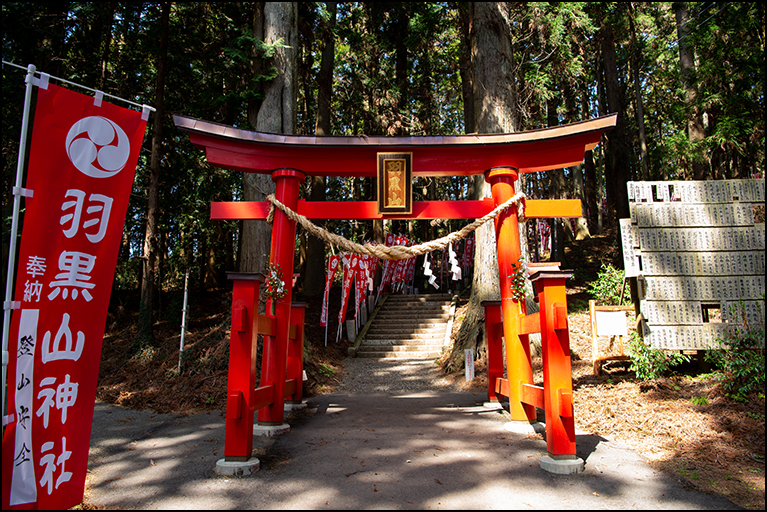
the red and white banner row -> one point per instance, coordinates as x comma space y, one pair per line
361, 270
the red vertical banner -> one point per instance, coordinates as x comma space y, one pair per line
332, 266
399, 270
388, 266
81, 166
351, 264
361, 281
410, 269
468, 254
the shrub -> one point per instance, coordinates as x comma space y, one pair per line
606, 290
740, 357
650, 363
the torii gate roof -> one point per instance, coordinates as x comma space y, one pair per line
446, 155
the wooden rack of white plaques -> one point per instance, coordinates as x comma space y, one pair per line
697, 250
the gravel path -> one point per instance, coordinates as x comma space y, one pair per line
365, 376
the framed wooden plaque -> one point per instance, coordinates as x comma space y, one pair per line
395, 191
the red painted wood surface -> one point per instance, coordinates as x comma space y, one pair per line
502, 387
557, 370
295, 356
290, 388
530, 324
494, 347
274, 359
461, 155
422, 210
533, 395
262, 396
518, 364
241, 380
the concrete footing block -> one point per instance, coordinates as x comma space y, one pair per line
270, 430
524, 427
294, 407
562, 466
237, 469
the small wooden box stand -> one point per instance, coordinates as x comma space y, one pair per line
621, 355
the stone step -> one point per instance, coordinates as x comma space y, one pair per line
404, 336
389, 342
400, 346
414, 328
414, 314
408, 322
421, 354
420, 305
436, 297
408, 327
415, 299
405, 327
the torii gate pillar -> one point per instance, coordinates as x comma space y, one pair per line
518, 362
274, 359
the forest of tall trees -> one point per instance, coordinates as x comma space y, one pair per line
686, 79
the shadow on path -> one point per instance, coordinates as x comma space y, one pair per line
408, 450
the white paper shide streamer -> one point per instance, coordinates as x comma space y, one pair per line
455, 269
428, 273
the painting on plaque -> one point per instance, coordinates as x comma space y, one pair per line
395, 172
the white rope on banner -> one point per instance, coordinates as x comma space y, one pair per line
99, 95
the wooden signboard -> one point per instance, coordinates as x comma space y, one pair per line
697, 249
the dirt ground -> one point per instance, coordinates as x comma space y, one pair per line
717, 446
716, 443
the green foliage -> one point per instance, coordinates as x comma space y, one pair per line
740, 358
606, 290
550, 46
399, 69
326, 370
699, 400
518, 280
649, 363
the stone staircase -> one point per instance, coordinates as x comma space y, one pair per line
408, 327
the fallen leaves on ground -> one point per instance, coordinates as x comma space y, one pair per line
718, 447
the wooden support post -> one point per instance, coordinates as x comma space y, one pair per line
274, 360
518, 363
494, 347
557, 371
295, 367
241, 382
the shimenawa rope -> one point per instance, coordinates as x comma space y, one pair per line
396, 252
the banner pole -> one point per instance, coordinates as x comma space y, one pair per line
10, 273
183, 321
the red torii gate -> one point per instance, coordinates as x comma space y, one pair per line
500, 157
